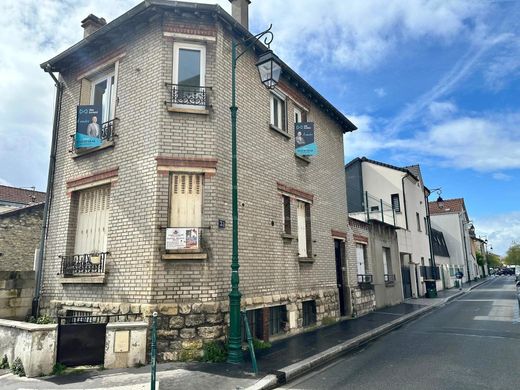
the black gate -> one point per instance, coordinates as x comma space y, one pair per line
407, 281
81, 340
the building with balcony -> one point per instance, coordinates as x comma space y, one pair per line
397, 197
140, 217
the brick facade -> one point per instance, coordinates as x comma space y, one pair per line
152, 141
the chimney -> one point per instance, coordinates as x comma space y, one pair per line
240, 11
91, 24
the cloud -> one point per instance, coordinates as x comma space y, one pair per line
357, 37
440, 110
501, 176
380, 92
365, 140
501, 230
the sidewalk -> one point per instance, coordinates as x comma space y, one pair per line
284, 361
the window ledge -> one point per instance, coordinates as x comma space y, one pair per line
106, 145
305, 259
93, 279
287, 236
185, 256
188, 110
389, 284
303, 158
279, 131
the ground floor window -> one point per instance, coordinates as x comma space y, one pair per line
277, 319
309, 313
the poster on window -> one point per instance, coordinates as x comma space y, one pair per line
88, 126
182, 238
304, 139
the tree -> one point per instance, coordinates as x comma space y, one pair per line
493, 260
513, 255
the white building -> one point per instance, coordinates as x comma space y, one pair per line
397, 196
451, 218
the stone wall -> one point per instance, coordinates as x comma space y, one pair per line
16, 293
20, 232
125, 344
34, 344
363, 301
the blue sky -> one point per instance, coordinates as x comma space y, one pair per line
435, 83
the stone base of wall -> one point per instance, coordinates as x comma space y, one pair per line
363, 301
183, 328
16, 293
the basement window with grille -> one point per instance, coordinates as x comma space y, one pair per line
278, 320
309, 313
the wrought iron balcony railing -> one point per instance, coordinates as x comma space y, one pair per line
87, 264
389, 279
188, 95
430, 273
365, 281
107, 134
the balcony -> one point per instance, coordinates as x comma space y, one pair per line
372, 208
107, 135
389, 279
430, 273
190, 99
87, 268
365, 281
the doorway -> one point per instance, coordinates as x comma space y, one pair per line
405, 273
339, 251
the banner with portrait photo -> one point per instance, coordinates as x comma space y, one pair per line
304, 142
88, 126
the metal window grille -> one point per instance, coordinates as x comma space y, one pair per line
309, 313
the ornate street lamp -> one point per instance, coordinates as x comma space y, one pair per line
269, 69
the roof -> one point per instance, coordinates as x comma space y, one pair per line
20, 195
59, 62
439, 244
449, 206
31, 207
405, 169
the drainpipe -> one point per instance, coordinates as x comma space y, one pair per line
404, 201
430, 241
48, 197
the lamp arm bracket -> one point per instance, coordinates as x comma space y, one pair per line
249, 42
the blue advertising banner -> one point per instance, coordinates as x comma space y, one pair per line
88, 126
304, 139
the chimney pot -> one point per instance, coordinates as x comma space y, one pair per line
91, 24
240, 11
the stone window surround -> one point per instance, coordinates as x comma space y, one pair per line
174, 164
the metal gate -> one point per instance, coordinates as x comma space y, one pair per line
81, 340
407, 282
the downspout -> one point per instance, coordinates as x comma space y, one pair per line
430, 241
48, 197
404, 201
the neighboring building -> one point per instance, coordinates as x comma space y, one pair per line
479, 248
395, 196
161, 72
20, 233
13, 198
442, 260
451, 218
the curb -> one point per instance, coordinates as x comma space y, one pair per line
300, 368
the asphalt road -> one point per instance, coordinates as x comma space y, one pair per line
470, 343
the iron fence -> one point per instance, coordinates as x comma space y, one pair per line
430, 273
389, 278
90, 263
107, 133
374, 208
188, 95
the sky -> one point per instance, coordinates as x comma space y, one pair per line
435, 83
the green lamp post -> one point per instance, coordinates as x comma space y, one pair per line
269, 69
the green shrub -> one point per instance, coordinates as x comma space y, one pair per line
42, 320
58, 369
214, 352
4, 363
17, 367
261, 344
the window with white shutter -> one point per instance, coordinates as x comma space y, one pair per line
186, 200
361, 259
92, 222
302, 229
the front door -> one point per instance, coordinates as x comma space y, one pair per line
339, 250
405, 273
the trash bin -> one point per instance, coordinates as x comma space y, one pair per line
431, 290
457, 284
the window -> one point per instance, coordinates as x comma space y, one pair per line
255, 320
425, 226
286, 214
299, 115
395, 203
103, 94
361, 257
92, 223
309, 313
277, 319
186, 200
387, 261
278, 112
418, 221
304, 229
189, 78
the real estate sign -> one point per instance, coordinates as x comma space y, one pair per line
88, 126
304, 142
182, 238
